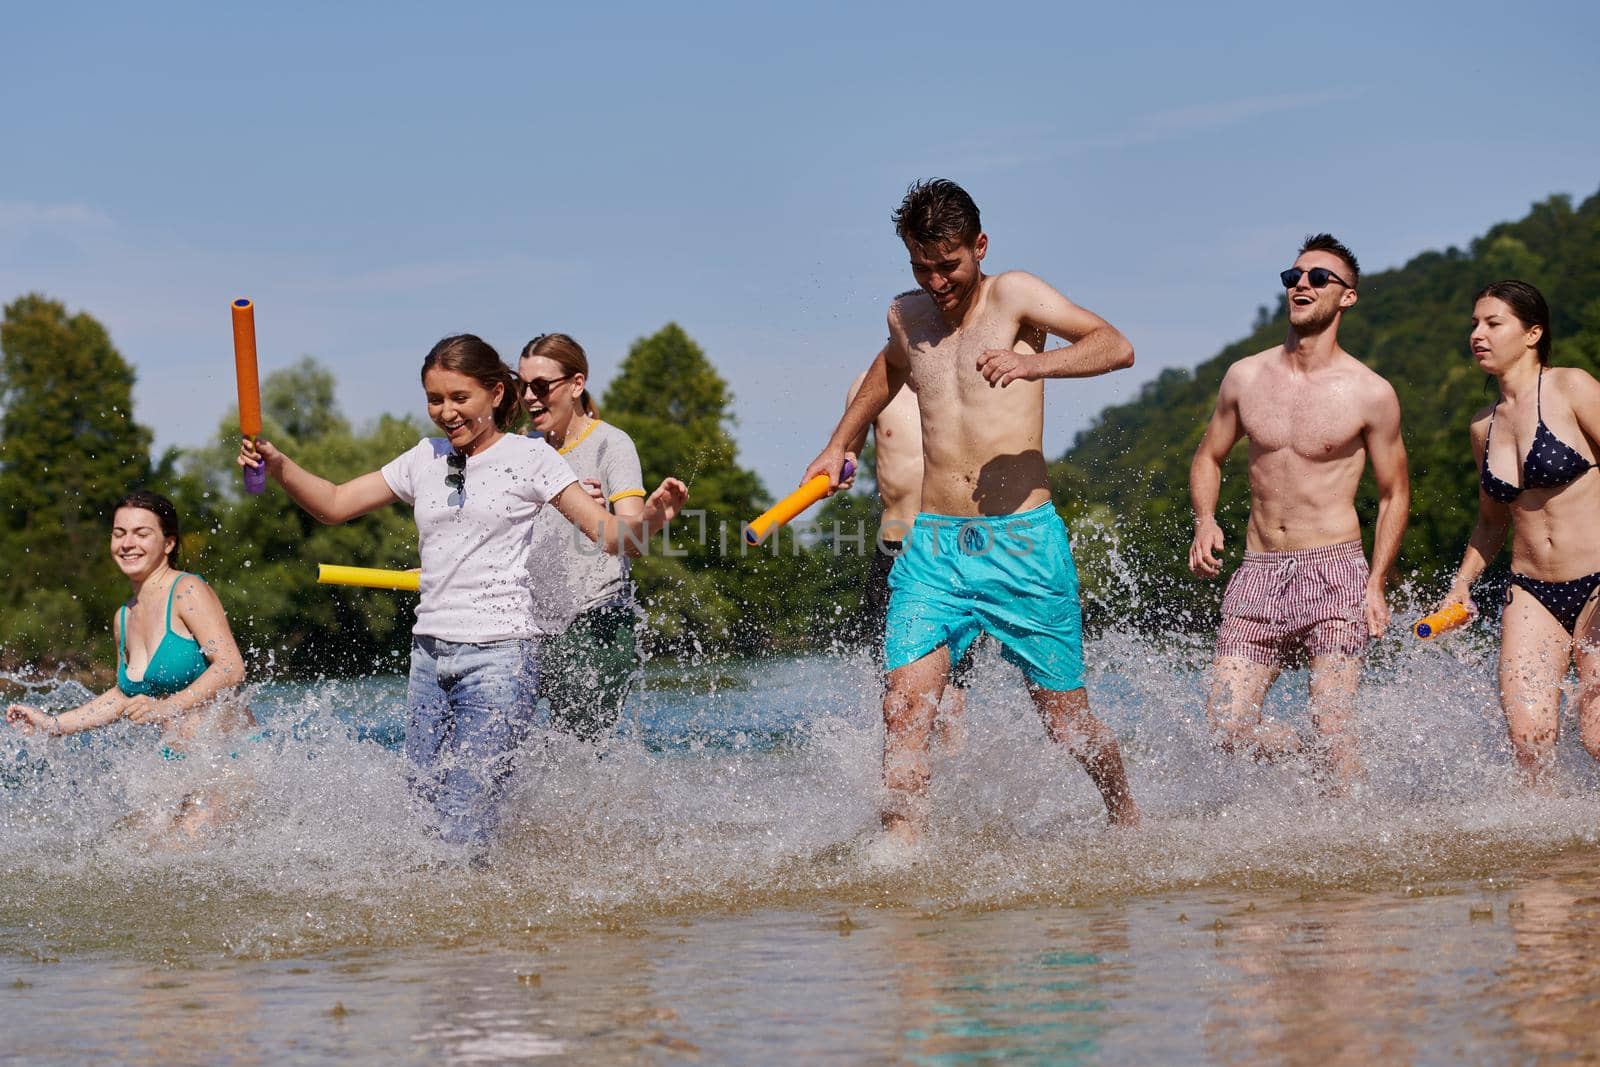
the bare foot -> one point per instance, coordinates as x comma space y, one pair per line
901, 830
1124, 815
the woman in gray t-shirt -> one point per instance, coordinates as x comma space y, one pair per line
583, 598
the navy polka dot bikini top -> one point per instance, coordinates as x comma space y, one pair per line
1550, 463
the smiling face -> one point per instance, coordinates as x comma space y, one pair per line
462, 407
949, 272
137, 544
1499, 340
551, 395
1313, 310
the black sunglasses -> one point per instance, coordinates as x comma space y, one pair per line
1318, 276
540, 387
457, 479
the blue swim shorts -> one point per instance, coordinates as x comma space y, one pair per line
1011, 575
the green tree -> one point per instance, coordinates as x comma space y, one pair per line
261, 552
670, 399
1410, 326
69, 448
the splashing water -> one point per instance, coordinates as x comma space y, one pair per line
743, 786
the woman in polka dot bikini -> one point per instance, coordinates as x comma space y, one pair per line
1535, 451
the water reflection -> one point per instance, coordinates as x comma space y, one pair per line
1552, 980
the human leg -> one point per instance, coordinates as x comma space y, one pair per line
1334, 679
1587, 654
949, 732
909, 706
491, 690
1069, 722
587, 670
427, 720
1535, 653
1233, 712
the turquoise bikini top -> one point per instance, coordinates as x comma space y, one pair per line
174, 665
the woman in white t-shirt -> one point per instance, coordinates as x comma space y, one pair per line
475, 493
585, 597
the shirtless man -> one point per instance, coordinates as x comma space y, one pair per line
987, 552
897, 433
1314, 416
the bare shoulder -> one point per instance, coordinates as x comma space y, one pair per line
1014, 283
1575, 383
908, 304
1372, 383
1242, 372
191, 592
1479, 423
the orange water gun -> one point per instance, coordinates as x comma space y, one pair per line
1448, 618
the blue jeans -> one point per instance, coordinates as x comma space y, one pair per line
469, 709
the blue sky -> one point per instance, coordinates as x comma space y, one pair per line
378, 176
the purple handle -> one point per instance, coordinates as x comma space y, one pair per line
255, 480
848, 469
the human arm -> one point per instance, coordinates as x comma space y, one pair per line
322, 499
1205, 476
882, 380
859, 441
1094, 345
195, 604
1583, 393
103, 710
1488, 534
620, 533
1387, 452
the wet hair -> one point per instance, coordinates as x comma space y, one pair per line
1327, 242
162, 509
569, 354
936, 212
471, 355
1528, 305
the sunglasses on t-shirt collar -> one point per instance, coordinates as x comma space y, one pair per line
1319, 277
457, 478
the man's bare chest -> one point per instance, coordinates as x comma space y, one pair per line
1317, 423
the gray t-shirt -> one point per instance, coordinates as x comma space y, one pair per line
572, 574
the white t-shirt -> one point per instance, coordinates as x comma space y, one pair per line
474, 541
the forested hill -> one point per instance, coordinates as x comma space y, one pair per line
1411, 326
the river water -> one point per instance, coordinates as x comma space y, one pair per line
707, 889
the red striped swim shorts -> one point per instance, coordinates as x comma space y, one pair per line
1281, 607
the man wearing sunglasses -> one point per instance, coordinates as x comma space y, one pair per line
1314, 415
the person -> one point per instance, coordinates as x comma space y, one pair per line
1314, 416
897, 476
582, 596
178, 665
475, 493
987, 551
1535, 450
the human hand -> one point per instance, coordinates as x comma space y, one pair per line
26, 720
1458, 594
1001, 366
592, 487
1377, 609
146, 709
1205, 560
665, 503
831, 462
259, 453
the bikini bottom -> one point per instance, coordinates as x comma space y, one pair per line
1564, 600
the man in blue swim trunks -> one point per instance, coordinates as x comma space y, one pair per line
987, 552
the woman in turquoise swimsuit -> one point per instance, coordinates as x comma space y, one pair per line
175, 653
